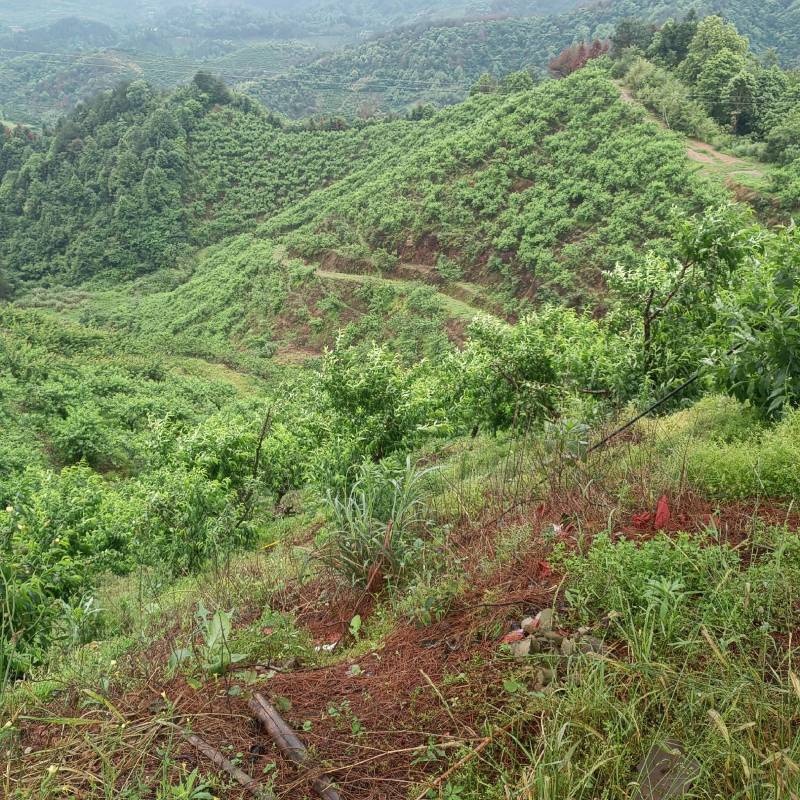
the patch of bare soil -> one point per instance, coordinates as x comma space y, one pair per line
700, 157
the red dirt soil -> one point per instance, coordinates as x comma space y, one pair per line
381, 727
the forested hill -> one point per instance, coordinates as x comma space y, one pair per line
439, 63
291, 58
432, 64
130, 180
54, 55
769, 24
543, 185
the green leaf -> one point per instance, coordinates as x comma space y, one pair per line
512, 686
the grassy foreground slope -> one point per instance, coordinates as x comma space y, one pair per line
667, 645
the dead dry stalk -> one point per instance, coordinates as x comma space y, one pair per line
460, 763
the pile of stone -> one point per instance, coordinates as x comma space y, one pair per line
536, 635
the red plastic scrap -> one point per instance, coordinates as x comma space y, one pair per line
662, 513
544, 568
642, 520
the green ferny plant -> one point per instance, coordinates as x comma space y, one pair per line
213, 653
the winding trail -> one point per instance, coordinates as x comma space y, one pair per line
713, 161
455, 304
463, 301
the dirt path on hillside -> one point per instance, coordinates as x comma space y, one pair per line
702, 152
458, 301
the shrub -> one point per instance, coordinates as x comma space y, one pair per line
760, 313
376, 525
186, 519
506, 374
768, 466
83, 436
670, 99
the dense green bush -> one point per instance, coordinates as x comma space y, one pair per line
766, 465
709, 73
505, 375
670, 99
760, 313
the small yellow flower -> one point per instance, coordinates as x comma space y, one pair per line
52, 769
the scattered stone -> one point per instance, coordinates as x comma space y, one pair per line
666, 773
529, 625
568, 647
545, 620
537, 636
543, 678
553, 638
521, 649
591, 644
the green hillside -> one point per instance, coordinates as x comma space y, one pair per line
467, 439
566, 157
189, 167
439, 64
435, 64
52, 58
540, 188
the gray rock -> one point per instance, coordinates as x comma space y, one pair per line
545, 619
666, 773
529, 624
591, 644
568, 647
521, 649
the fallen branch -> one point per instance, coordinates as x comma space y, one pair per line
219, 760
289, 743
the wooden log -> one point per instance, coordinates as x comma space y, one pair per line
289, 743
239, 775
